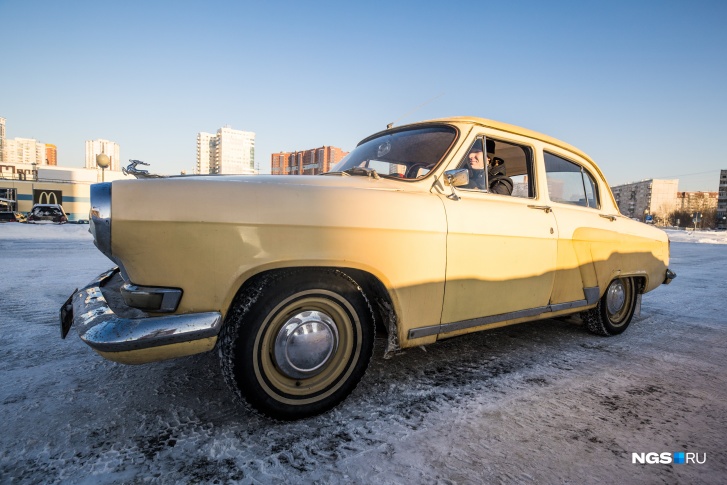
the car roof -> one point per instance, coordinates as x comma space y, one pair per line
498, 125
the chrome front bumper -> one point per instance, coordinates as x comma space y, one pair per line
129, 329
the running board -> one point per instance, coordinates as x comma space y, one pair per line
591, 295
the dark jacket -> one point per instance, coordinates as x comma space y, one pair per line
499, 182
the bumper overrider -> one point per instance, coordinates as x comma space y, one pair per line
670, 275
128, 335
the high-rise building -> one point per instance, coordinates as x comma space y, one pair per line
204, 152
51, 154
722, 200
109, 148
653, 197
24, 150
2, 139
306, 162
227, 152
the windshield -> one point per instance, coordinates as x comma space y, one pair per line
407, 154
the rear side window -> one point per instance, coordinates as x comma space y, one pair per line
569, 183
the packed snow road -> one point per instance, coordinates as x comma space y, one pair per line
543, 402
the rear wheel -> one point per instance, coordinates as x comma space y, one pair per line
297, 343
615, 309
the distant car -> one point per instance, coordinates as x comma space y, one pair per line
290, 277
12, 216
47, 213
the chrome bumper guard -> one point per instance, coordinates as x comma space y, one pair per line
105, 331
670, 275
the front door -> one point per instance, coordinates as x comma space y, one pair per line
501, 248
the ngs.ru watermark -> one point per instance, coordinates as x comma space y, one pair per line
678, 458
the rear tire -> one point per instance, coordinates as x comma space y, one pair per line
296, 344
615, 309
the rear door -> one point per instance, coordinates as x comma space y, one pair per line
588, 256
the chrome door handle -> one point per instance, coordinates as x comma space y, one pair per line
608, 216
545, 208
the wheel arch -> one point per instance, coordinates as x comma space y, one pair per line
381, 300
641, 281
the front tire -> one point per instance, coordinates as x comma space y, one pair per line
296, 344
615, 309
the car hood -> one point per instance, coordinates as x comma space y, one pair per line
276, 199
332, 180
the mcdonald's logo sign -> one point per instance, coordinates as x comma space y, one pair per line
41, 196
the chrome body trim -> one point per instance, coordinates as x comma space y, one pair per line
105, 331
545, 208
99, 217
170, 297
99, 222
566, 306
670, 275
591, 294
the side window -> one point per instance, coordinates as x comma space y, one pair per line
500, 167
569, 183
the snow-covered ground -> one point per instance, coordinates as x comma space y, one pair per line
542, 402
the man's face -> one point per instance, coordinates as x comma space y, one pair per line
477, 160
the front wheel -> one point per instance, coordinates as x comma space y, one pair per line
297, 343
615, 309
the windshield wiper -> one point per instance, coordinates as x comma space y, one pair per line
365, 171
336, 173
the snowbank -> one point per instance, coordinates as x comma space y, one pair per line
704, 237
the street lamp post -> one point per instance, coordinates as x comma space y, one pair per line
102, 160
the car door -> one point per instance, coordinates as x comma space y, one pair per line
501, 250
589, 240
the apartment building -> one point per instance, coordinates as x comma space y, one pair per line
51, 154
652, 199
109, 148
229, 151
306, 162
722, 200
696, 201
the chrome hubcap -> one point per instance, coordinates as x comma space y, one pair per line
305, 344
616, 297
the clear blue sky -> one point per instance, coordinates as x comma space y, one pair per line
639, 86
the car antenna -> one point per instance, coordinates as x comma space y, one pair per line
391, 125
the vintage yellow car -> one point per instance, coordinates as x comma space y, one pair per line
423, 232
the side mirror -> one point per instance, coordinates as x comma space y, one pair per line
457, 177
